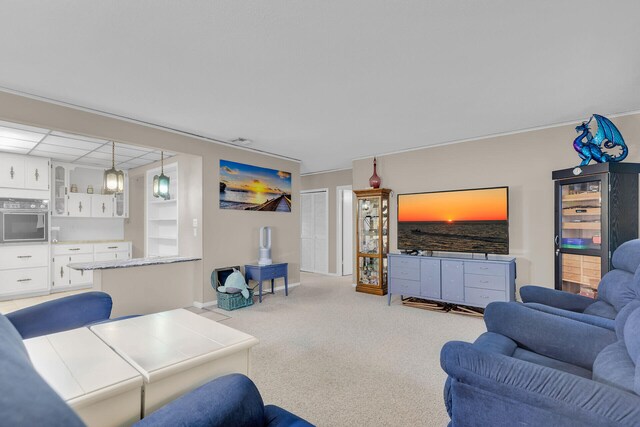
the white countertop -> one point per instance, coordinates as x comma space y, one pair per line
161, 344
80, 367
133, 262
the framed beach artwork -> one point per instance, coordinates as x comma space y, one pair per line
253, 188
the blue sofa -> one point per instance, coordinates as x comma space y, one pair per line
617, 288
27, 400
62, 314
537, 369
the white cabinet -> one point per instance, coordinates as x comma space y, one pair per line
101, 206
11, 171
23, 270
36, 173
65, 278
79, 204
83, 203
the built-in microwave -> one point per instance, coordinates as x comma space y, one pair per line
24, 220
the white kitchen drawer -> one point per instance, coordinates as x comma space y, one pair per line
111, 247
83, 248
23, 280
111, 256
23, 256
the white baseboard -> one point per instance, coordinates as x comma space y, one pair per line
207, 304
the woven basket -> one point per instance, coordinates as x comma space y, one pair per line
234, 301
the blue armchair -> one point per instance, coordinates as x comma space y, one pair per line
617, 288
62, 314
27, 400
535, 368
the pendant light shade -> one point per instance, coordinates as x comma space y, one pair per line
113, 179
161, 182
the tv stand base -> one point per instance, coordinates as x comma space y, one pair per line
444, 307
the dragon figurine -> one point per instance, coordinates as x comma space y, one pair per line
591, 149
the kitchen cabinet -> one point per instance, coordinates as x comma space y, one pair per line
82, 202
24, 172
65, 278
24, 270
79, 204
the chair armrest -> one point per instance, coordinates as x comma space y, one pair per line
275, 416
555, 298
493, 389
553, 336
229, 400
61, 314
602, 322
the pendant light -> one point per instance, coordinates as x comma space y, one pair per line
113, 179
161, 182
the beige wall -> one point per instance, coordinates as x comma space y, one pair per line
522, 161
229, 237
329, 180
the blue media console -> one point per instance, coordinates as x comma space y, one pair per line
455, 279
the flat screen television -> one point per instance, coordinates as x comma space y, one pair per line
474, 220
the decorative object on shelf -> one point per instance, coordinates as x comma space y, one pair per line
375, 180
589, 147
113, 178
253, 188
265, 246
90, 189
372, 228
74, 188
161, 182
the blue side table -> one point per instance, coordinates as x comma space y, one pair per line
267, 272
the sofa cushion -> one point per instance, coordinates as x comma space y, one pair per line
617, 288
623, 315
25, 398
614, 367
559, 365
601, 309
627, 256
495, 343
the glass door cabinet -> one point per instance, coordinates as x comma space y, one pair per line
372, 240
596, 210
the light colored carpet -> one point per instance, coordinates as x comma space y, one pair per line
339, 358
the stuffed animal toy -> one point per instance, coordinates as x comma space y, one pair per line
235, 283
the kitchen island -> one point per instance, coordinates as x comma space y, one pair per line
146, 285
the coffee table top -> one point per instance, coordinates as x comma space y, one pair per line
161, 344
80, 367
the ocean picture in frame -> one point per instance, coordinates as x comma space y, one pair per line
254, 188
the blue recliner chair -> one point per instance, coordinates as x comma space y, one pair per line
26, 400
537, 369
62, 314
617, 288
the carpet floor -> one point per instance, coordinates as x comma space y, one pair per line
338, 358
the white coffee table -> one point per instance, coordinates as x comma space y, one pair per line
101, 387
177, 351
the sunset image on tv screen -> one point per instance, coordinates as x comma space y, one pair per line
457, 221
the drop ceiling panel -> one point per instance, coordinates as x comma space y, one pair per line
96, 155
75, 152
81, 137
15, 150
54, 155
73, 143
24, 127
22, 135
16, 143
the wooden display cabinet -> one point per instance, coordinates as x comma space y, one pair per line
596, 211
372, 237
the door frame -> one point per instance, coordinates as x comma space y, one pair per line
326, 196
339, 224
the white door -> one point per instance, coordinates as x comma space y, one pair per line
79, 204
101, 206
11, 171
36, 173
314, 232
347, 232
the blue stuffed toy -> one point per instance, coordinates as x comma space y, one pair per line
234, 284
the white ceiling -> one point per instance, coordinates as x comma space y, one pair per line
329, 81
20, 139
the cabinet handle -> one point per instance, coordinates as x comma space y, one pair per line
61, 272
74, 249
112, 247
24, 256
80, 206
11, 172
557, 240
484, 281
24, 280
103, 208
37, 175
